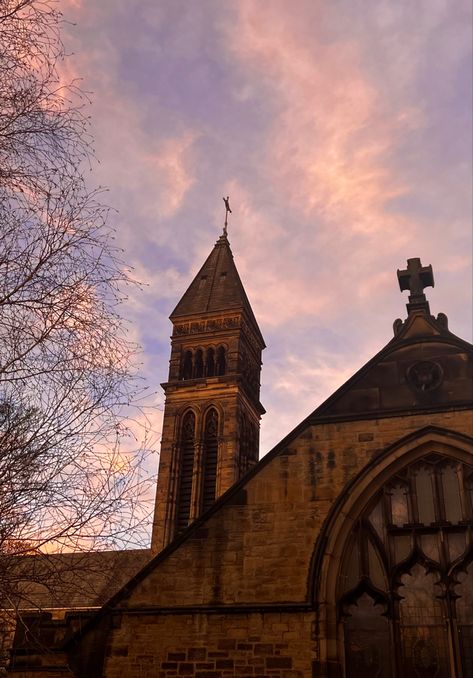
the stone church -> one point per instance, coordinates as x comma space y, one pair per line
346, 552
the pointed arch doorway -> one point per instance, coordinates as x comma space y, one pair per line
394, 577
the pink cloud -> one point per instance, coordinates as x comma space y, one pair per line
330, 136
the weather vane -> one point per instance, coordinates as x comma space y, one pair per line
227, 210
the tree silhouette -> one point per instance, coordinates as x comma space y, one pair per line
65, 362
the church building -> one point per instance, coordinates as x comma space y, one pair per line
345, 552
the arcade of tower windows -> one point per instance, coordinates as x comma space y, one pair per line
198, 363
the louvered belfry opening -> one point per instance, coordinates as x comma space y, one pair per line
210, 456
187, 449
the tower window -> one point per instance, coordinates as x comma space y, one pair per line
210, 458
202, 281
186, 372
199, 364
221, 361
210, 363
187, 446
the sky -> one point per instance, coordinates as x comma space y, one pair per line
341, 130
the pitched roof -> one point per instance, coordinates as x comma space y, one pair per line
81, 579
217, 287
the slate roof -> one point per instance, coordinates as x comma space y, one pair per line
72, 580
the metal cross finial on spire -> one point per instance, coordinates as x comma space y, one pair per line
227, 210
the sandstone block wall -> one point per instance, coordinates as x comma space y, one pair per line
257, 547
212, 646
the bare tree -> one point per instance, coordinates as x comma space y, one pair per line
65, 372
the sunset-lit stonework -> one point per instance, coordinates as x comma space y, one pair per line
346, 549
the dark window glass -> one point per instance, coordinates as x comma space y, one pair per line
210, 366
367, 640
425, 496
210, 459
376, 519
469, 497
451, 494
351, 566
464, 609
422, 626
456, 545
187, 447
375, 566
399, 504
429, 545
198, 364
187, 365
402, 547
221, 360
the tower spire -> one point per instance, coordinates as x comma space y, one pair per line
212, 410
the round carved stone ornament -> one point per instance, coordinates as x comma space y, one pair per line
425, 375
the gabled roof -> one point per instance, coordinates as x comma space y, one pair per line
424, 367
217, 287
421, 338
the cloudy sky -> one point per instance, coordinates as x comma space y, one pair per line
341, 130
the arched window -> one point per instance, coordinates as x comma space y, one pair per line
186, 449
186, 371
210, 459
406, 579
199, 364
210, 363
221, 360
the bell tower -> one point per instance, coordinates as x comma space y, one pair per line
212, 409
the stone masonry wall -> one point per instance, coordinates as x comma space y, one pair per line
276, 645
257, 548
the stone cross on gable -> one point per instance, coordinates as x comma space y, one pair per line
416, 278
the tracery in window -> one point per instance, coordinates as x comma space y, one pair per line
407, 574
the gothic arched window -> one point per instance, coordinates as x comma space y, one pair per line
406, 580
221, 361
210, 459
186, 450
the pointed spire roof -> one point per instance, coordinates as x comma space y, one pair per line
217, 287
